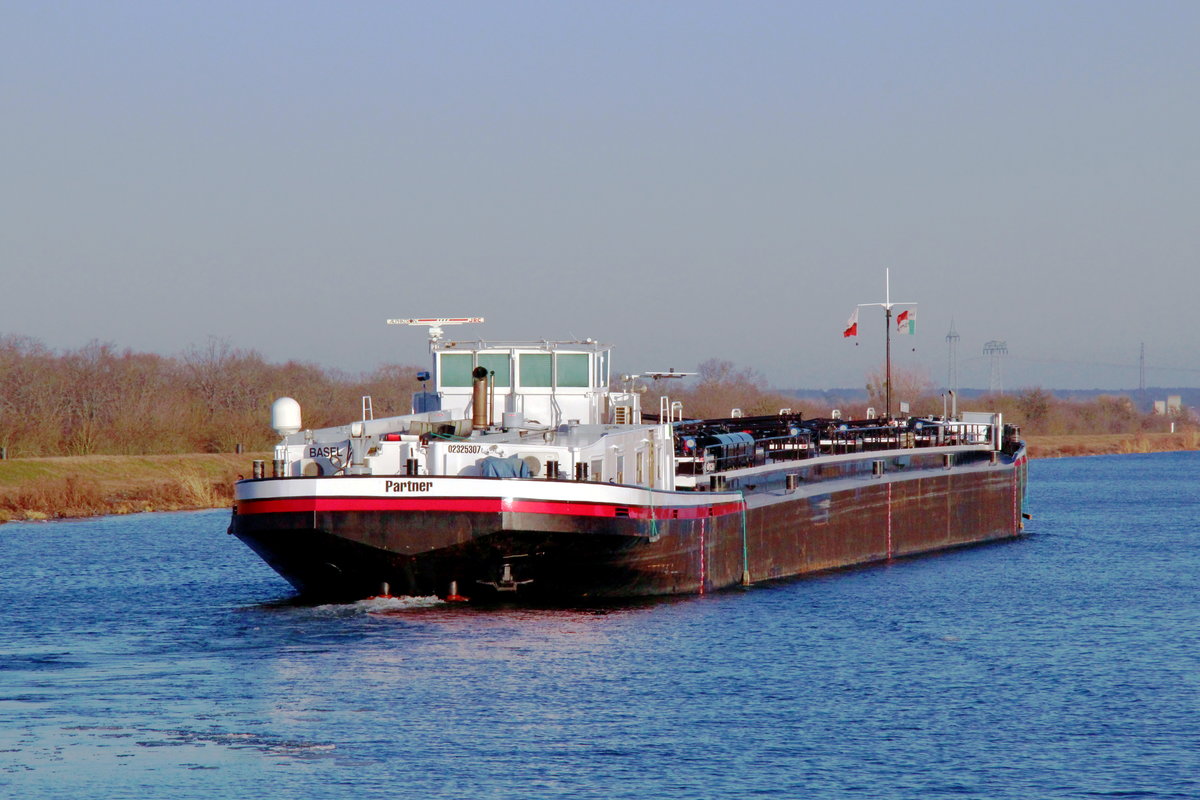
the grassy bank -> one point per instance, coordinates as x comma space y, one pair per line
84, 486
1110, 444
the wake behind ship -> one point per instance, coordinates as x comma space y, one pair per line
521, 474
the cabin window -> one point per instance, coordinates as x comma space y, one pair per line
620, 469
573, 369
456, 369
498, 363
536, 369
598, 469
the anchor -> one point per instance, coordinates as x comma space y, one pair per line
506, 582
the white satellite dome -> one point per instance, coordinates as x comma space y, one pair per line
285, 416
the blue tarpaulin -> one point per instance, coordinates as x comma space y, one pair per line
511, 467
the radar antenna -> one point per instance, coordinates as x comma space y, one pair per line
435, 325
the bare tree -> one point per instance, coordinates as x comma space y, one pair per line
912, 386
31, 400
227, 386
723, 386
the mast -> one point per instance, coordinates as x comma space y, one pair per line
887, 306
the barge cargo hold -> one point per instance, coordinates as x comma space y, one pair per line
522, 475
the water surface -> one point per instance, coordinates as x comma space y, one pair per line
155, 656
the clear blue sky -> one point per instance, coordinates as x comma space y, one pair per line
686, 180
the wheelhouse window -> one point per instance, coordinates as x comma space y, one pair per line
536, 369
456, 369
573, 370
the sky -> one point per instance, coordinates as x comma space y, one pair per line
683, 180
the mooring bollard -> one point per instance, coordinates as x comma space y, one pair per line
260, 469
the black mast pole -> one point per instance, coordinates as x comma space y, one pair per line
887, 381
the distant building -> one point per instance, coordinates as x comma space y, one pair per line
1171, 407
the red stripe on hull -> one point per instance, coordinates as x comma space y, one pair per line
487, 505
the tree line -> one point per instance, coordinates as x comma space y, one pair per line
209, 399
214, 397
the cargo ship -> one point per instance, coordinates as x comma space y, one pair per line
521, 474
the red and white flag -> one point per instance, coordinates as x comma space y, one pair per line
906, 322
851, 325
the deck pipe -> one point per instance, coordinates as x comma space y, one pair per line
479, 402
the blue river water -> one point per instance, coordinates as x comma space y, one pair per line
155, 656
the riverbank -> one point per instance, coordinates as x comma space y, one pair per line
1110, 444
86, 486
